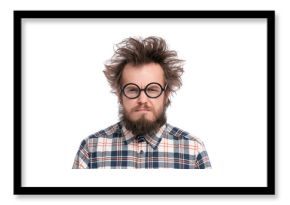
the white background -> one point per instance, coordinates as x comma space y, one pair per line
223, 99
282, 117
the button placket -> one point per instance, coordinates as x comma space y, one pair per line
141, 147
141, 153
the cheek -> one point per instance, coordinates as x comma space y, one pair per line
159, 106
127, 104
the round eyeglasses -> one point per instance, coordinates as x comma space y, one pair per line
152, 90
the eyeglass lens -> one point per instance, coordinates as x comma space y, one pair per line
152, 90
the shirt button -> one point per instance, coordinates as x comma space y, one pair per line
141, 152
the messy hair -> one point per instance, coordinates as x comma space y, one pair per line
138, 51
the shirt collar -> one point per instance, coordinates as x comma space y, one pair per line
152, 140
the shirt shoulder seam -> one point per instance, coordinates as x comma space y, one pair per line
181, 134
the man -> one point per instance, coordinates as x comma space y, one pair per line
143, 73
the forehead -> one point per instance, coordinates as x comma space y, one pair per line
143, 74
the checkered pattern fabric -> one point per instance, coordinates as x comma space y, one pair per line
117, 148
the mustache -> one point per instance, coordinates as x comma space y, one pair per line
143, 107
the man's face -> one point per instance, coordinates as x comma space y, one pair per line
143, 109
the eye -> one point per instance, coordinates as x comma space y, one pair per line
153, 89
132, 89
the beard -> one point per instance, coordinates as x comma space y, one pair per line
142, 126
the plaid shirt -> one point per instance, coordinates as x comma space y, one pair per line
116, 147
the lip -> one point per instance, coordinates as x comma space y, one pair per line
142, 110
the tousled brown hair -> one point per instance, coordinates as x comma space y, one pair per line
138, 51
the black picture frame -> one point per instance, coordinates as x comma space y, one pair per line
18, 124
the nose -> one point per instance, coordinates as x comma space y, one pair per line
142, 97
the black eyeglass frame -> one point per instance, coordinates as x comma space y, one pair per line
144, 89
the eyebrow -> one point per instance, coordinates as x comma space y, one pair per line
122, 84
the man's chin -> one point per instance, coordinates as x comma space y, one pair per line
143, 118
146, 123
143, 125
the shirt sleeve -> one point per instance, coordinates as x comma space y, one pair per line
82, 157
202, 160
